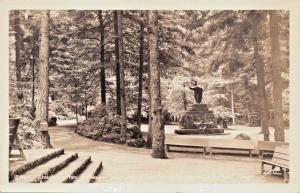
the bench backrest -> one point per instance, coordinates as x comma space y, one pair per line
269, 145
281, 156
186, 140
231, 143
280, 148
221, 143
13, 127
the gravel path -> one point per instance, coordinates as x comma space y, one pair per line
123, 164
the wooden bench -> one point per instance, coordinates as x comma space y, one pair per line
266, 147
280, 159
14, 142
185, 141
231, 144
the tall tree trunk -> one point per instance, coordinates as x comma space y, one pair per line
232, 105
102, 64
76, 102
43, 74
276, 77
86, 105
33, 63
12, 73
18, 37
158, 143
249, 100
260, 74
141, 71
18, 44
149, 134
184, 99
122, 77
232, 69
117, 59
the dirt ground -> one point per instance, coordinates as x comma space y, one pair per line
231, 132
123, 164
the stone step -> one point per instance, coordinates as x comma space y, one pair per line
70, 173
198, 107
91, 173
42, 172
34, 163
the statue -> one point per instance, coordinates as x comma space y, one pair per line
198, 91
197, 118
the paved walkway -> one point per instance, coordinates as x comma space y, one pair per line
123, 164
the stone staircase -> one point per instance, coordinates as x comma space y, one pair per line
57, 167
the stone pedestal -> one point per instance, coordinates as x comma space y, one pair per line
197, 116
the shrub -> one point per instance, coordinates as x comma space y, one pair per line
107, 127
242, 136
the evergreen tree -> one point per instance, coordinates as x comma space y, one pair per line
260, 74
43, 78
158, 145
102, 61
149, 134
122, 76
141, 71
18, 37
276, 76
117, 59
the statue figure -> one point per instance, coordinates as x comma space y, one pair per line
198, 91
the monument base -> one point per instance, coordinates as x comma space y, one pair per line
198, 116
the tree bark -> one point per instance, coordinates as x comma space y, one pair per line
102, 62
149, 134
249, 100
158, 143
122, 78
12, 73
276, 77
260, 74
117, 59
18, 37
18, 45
76, 102
232, 105
184, 100
33, 64
141, 71
86, 105
43, 80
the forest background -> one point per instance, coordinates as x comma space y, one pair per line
231, 54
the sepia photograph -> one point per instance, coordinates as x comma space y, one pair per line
130, 96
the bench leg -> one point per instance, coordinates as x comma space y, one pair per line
204, 150
211, 151
22, 154
166, 148
11, 144
262, 168
285, 176
281, 171
261, 154
19, 148
273, 167
250, 153
10, 149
